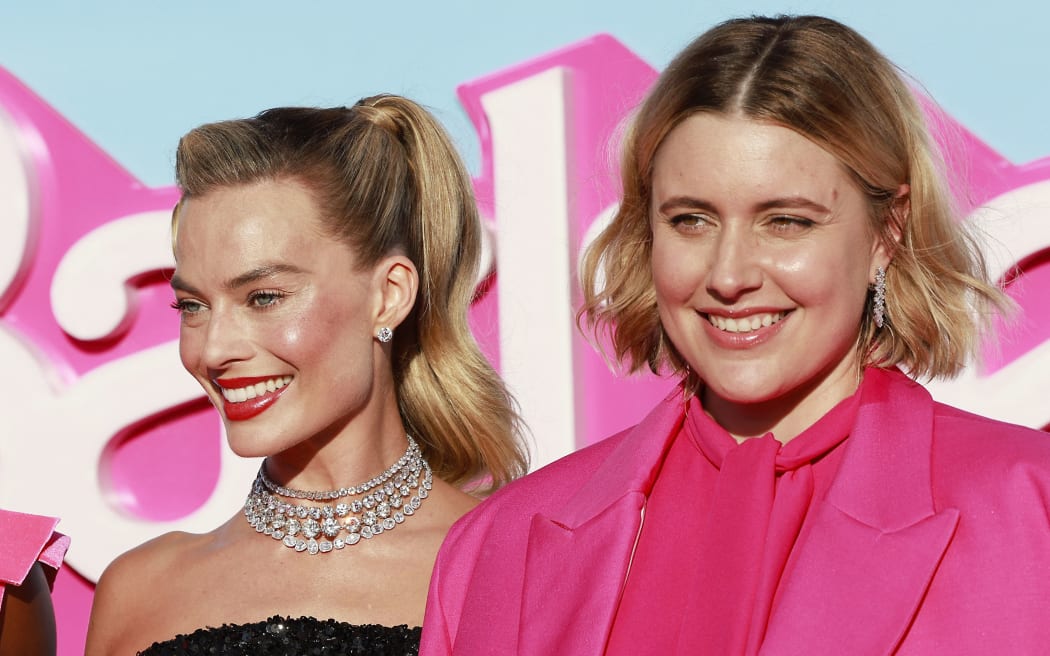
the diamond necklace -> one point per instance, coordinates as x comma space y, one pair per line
388, 499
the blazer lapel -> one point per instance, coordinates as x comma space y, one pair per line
574, 577
577, 557
866, 557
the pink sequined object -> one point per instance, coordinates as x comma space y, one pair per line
27, 539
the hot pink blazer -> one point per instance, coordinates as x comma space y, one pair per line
934, 538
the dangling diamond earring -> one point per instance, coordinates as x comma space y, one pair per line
385, 334
878, 303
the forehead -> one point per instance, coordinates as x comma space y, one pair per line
230, 228
715, 151
248, 214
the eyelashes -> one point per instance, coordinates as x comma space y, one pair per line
780, 223
186, 306
790, 224
266, 299
260, 300
688, 221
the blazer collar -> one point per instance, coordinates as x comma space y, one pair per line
578, 555
891, 441
861, 567
854, 582
631, 467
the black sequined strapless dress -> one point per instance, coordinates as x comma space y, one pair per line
306, 636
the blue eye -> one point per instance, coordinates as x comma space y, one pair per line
187, 306
265, 299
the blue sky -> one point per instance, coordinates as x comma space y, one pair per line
134, 76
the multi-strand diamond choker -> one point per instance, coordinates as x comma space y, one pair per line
388, 499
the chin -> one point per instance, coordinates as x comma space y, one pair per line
243, 450
246, 443
745, 394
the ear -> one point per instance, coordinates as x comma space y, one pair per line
396, 284
886, 243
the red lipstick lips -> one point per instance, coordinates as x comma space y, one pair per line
243, 410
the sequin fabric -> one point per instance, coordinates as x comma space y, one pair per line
306, 636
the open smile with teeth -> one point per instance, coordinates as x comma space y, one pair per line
745, 324
242, 394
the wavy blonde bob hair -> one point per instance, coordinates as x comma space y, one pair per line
387, 179
829, 84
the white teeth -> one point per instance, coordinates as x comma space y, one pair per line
242, 394
745, 324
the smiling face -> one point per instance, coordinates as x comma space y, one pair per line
276, 318
761, 259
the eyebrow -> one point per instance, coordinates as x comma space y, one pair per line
686, 201
795, 202
800, 202
246, 278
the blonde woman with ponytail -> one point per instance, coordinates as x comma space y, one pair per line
325, 262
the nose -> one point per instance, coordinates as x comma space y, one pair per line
734, 267
225, 341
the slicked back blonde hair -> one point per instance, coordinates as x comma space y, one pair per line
829, 84
388, 180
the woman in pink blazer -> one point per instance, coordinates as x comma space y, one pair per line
797, 494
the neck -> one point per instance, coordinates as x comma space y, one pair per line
364, 446
786, 415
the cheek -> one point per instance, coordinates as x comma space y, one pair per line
810, 271
799, 263
824, 279
322, 332
677, 271
189, 349
291, 339
802, 275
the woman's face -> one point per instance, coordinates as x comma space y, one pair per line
276, 319
762, 256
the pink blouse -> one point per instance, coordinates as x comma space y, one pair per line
718, 531
25, 540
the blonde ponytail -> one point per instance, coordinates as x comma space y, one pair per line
449, 393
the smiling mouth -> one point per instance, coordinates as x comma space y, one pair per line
745, 324
248, 392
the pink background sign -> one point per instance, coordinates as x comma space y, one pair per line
102, 427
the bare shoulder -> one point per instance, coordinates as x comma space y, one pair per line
444, 506
148, 561
132, 587
452, 502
